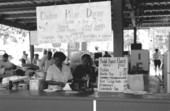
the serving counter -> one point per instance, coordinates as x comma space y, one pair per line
73, 101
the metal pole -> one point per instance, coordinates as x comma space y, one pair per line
135, 35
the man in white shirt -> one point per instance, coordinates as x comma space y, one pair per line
24, 56
49, 61
42, 61
36, 60
157, 61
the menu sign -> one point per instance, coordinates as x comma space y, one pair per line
113, 74
84, 22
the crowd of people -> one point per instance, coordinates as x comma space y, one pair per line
58, 72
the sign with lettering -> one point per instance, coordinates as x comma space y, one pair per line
113, 74
74, 22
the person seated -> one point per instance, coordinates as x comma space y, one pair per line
5, 63
84, 73
58, 74
6, 67
28, 65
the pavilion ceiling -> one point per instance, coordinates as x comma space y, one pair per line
136, 13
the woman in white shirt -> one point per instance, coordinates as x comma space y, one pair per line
58, 74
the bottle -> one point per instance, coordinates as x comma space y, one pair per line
15, 87
87, 78
161, 89
10, 85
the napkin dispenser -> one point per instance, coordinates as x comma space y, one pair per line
36, 84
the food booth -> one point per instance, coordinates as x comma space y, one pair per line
92, 22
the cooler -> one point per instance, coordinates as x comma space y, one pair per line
139, 61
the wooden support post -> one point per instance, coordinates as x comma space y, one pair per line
117, 19
31, 52
135, 35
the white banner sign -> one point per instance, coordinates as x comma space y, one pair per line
113, 74
74, 22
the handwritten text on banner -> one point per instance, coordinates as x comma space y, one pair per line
74, 22
112, 74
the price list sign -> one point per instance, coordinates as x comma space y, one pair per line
113, 74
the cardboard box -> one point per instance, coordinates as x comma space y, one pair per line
36, 84
140, 59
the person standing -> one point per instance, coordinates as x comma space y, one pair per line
157, 61
106, 54
42, 61
49, 61
58, 74
24, 56
36, 60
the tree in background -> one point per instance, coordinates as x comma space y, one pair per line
14, 41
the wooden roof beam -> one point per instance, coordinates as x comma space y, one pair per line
155, 2
20, 15
18, 9
155, 25
155, 16
33, 3
12, 2
14, 24
27, 21
2, 17
155, 8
